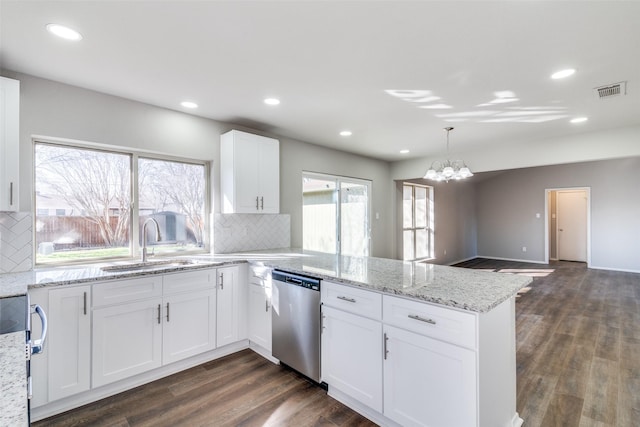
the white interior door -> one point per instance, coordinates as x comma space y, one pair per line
572, 225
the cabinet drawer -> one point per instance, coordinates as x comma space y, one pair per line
354, 300
119, 291
437, 322
260, 275
189, 281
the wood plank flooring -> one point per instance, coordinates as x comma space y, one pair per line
578, 345
578, 363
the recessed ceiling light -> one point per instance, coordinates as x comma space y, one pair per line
579, 120
346, 133
404, 151
563, 73
189, 104
64, 32
272, 101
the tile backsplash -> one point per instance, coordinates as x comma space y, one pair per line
249, 232
16, 242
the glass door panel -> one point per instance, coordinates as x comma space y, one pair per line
319, 214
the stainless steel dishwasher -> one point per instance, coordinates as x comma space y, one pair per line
296, 322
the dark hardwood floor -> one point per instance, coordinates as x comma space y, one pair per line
578, 344
578, 361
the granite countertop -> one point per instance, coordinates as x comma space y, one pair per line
472, 290
13, 383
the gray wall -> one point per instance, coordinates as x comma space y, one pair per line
58, 110
507, 205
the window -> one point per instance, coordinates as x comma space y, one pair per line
101, 198
335, 214
417, 222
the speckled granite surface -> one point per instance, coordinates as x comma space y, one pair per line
472, 290
13, 383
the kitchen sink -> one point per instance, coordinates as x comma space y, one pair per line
170, 263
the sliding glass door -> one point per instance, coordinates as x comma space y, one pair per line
336, 214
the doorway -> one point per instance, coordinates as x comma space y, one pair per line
568, 224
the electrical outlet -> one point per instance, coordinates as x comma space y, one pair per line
524, 249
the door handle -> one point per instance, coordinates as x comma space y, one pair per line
159, 308
84, 297
167, 312
11, 193
257, 206
262, 203
386, 349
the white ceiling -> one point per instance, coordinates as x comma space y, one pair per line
331, 63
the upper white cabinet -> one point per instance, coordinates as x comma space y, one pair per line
9, 143
249, 173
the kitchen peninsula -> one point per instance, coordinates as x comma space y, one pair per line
461, 319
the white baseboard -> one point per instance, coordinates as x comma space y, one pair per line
361, 408
263, 352
517, 421
512, 259
624, 270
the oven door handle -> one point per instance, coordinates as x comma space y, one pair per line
37, 346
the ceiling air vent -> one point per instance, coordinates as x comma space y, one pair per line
608, 91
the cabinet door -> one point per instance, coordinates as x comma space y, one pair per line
69, 341
227, 306
9, 143
428, 382
269, 175
189, 325
352, 356
127, 340
260, 316
246, 174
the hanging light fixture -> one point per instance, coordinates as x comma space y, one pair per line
444, 170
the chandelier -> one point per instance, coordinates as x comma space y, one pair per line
444, 170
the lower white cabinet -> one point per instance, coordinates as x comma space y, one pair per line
260, 315
352, 355
69, 341
189, 325
228, 310
127, 340
428, 382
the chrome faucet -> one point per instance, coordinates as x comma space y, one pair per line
144, 236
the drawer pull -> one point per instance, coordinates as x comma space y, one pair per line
346, 299
386, 350
422, 319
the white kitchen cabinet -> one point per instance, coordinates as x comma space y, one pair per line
228, 311
9, 143
189, 325
69, 341
428, 382
249, 173
260, 315
352, 355
127, 340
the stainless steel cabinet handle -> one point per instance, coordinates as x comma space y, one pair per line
11, 193
266, 305
257, 203
386, 349
346, 299
322, 327
221, 280
159, 308
422, 319
262, 203
85, 303
167, 312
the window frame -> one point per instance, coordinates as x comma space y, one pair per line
429, 227
134, 154
338, 179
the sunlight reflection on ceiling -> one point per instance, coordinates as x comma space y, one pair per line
499, 113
